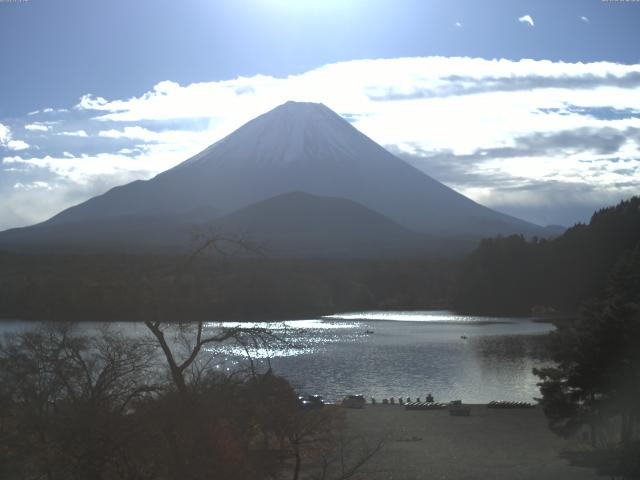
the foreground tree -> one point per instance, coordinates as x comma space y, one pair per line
65, 402
596, 383
76, 407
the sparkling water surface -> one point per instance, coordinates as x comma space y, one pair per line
389, 354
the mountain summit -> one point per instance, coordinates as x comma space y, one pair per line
297, 147
293, 132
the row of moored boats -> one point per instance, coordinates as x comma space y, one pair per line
426, 406
507, 404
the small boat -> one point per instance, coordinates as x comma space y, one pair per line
369, 332
425, 406
357, 401
460, 411
508, 404
457, 409
311, 402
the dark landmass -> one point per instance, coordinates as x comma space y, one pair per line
295, 255
138, 287
291, 225
513, 275
507, 276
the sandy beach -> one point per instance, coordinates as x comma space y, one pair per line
489, 444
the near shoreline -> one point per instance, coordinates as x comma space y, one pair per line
491, 443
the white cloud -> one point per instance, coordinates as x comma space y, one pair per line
458, 24
89, 102
78, 133
526, 19
17, 145
166, 137
26, 202
7, 140
127, 151
131, 132
32, 185
5, 134
85, 169
37, 127
585, 19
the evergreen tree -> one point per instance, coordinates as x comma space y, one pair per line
513, 275
596, 380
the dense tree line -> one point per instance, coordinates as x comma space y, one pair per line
513, 275
594, 386
138, 287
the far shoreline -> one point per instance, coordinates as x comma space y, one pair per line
558, 321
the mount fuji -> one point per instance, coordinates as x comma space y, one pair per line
246, 182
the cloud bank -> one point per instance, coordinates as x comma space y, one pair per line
549, 141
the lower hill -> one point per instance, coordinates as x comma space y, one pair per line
301, 224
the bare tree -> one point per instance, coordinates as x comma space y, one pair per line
66, 398
222, 246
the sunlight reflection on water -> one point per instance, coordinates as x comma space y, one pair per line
312, 324
384, 354
410, 316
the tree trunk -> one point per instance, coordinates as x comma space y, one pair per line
626, 428
176, 373
593, 434
296, 469
178, 463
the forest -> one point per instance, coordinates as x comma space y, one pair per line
592, 389
513, 275
138, 287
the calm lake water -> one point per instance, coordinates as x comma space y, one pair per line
409, 354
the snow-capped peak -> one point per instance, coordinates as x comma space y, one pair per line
291, 132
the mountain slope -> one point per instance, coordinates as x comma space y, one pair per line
308, 148
291, 224
127, 233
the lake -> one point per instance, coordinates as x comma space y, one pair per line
392, 354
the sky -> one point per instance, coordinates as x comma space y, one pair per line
531, 107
